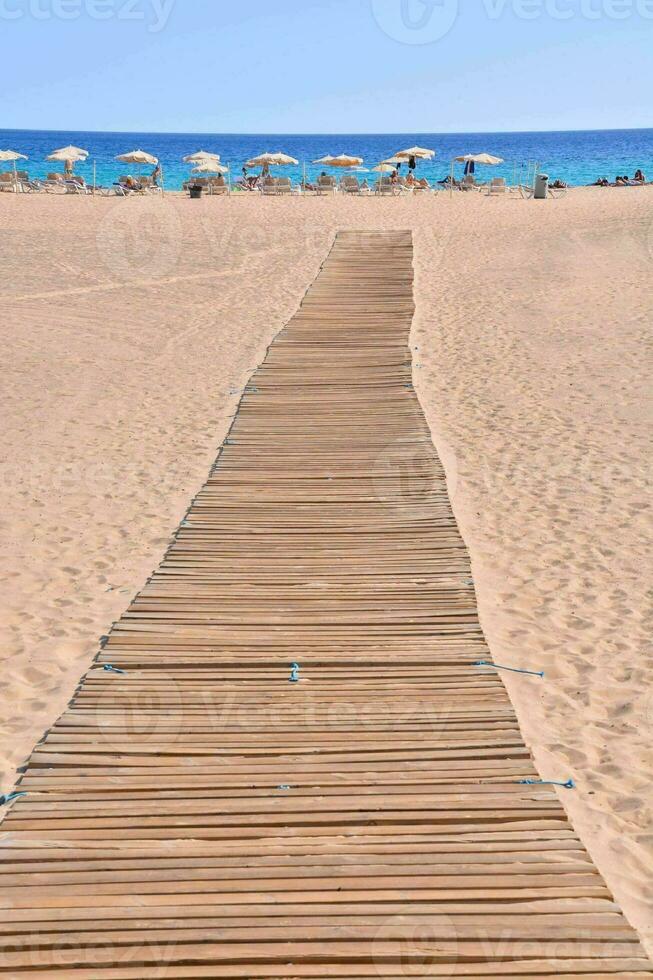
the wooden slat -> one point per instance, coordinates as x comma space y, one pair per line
200, 815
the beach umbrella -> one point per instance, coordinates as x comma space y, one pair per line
415, 151
201, 156
267, 160
68, 155
272, 160
485, 158
413, 154
10, 156
210, 167
470, 160
138, 157
384, 168
343, 160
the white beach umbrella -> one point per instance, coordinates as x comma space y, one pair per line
343, 160
201, 156
68, 155
415, 151
11, 156
210, 167
384, 168
272, 160
485, 158
138, 157
394, 161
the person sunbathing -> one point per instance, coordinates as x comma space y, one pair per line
601, 182
639, 177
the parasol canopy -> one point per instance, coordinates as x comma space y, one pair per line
69, 155
419, 152
10, 156
66, 154
201, 156
210, 167
272, 160
138, 157
484, 158
341, 161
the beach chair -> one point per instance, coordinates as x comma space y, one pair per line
269, 186
54, 184
326, 185
385, 187
468, 183
284, 185
350, 185
7, 182
216, 187
497, 186
76, 186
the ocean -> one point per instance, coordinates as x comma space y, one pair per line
575, 157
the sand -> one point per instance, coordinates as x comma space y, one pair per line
131, 326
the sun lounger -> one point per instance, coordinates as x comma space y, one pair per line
497, 186
350, 185
7, 182
269, 186
284, 185
468, 183
76, 187
326, 185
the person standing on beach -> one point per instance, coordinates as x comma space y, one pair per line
157, 173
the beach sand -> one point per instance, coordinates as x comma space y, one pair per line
129, 328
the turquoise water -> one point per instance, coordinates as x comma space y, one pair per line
575, 157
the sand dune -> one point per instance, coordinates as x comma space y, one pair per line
129, 329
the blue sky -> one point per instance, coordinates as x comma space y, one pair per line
310, 66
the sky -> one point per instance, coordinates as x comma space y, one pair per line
326, 66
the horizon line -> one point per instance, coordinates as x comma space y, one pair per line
461, 132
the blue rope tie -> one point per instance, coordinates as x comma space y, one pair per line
114, 670
514, 670
10, 797
294, 676
570, 784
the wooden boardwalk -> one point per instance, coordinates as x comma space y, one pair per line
214, 811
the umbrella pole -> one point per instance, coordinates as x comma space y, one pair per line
94, 176
451, 180
15, 179
229, 178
